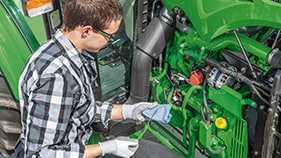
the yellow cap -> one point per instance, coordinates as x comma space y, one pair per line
221, 123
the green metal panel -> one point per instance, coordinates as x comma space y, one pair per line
205, 133
235, 136
35, 23
17, 42
232, 100
213, 18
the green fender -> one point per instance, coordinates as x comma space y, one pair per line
17, 42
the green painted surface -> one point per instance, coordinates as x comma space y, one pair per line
17, 43
37, 26
35, 23
213, 18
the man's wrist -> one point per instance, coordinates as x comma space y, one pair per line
127, 111
93, 150
116, 113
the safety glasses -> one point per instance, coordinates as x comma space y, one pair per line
108, 36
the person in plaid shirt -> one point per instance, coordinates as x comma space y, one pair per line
56, 99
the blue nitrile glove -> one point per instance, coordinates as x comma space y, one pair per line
134, 111
120, 146
160, 113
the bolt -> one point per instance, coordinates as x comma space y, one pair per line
256, 153
243, 70
259, 73
269, 110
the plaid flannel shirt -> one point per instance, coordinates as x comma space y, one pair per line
57, 103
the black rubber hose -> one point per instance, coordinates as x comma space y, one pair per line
149, 46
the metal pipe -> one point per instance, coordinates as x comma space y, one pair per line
245, 55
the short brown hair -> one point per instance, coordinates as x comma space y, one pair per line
90, 12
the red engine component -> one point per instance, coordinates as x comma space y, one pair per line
196, 78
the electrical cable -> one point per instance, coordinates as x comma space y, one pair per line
153, 89
205, 108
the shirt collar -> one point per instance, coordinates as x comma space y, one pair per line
71, 51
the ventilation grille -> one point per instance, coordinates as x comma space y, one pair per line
239, 141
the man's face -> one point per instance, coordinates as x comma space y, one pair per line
98, 38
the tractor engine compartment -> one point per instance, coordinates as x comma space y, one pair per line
223, 82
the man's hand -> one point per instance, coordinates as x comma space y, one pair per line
134, 111
120, 146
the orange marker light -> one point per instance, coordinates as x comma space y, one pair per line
38, 7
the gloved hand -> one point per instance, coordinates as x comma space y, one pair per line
120, 146
160, 113
134, 111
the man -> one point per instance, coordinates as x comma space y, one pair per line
56, 99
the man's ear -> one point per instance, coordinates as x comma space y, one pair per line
85, 30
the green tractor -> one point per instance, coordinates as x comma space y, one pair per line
216, 62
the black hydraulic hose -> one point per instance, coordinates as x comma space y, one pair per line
240, 77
